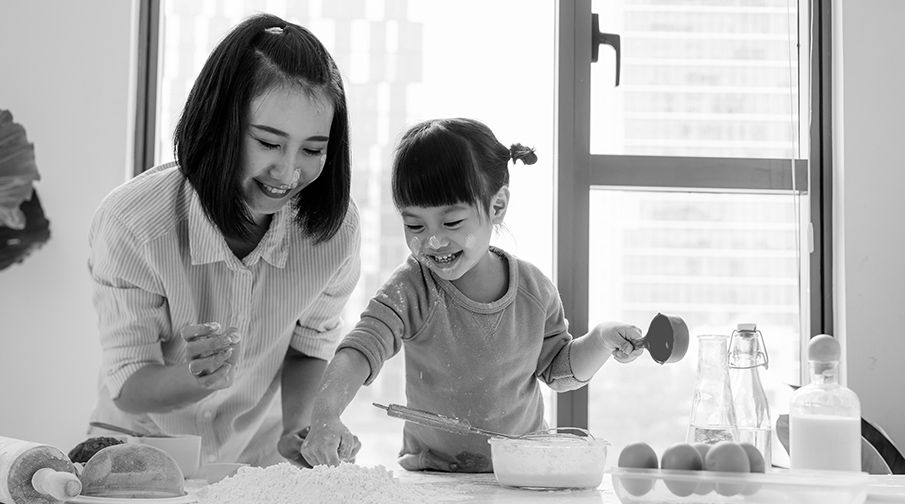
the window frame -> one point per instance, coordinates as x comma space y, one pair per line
578, 172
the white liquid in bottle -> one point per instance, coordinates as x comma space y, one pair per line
824, 416
825, 442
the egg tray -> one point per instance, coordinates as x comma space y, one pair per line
663, 486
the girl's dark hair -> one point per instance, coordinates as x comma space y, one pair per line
261, 53
449, 161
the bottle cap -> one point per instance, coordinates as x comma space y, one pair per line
750, 327
824, 348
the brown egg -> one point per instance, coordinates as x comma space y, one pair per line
684, 457
638, 455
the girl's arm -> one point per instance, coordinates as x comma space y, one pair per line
329, 441
591, 351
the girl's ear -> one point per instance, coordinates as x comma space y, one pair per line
499, 204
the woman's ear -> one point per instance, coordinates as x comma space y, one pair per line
499, 204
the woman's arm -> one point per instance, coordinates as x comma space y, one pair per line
158, 389
301, 376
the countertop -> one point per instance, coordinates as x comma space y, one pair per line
483, 488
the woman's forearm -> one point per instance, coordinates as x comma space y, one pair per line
159, 389
300, 379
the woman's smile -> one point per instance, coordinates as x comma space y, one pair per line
275, 192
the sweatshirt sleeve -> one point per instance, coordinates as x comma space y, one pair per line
554, 365
400, 308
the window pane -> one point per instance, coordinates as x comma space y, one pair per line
403, 62
702, 78
716, 260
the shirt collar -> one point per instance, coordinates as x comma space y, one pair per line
207, 244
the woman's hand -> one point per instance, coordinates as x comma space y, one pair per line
212, 354
330, 443
290, 447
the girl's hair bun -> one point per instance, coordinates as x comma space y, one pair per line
519, 152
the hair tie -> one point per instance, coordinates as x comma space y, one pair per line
518, 152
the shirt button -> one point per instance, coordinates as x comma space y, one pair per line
211, 458
208, 414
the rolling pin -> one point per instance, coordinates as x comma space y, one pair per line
32, 473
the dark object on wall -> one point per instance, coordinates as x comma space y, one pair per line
23, 227
17, 244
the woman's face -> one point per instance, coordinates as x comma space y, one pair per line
284, 147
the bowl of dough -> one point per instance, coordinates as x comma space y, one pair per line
563, 457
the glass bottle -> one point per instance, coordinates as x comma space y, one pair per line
747, 355
712, 414
824, 416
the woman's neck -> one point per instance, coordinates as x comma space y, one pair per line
241, 247
488, 281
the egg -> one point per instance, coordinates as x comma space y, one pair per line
703, 488
756, 461
681, 456
639, 455
727, 456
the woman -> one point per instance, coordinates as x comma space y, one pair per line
220, 279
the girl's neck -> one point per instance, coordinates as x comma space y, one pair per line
487, 282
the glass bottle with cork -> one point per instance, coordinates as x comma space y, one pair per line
825, 416
747, 356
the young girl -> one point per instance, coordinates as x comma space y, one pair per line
480, 326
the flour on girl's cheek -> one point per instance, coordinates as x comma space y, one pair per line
415, 245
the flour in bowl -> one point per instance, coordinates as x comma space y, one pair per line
287, 484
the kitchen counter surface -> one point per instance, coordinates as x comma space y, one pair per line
483, 488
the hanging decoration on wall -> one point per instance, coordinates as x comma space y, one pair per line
23, 227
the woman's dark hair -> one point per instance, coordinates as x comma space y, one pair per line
261, 53
449, 161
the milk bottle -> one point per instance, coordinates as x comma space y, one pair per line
824, 416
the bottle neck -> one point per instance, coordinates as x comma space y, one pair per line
824, 373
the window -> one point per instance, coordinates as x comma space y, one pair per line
689, 194
687, 189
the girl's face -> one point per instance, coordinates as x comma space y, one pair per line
284, 147
451, 240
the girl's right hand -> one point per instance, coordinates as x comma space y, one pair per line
212, 354
330, 443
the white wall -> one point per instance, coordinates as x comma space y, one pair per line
869, 214
65, 75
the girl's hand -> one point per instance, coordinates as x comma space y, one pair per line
212, 354
330, 443
620, 340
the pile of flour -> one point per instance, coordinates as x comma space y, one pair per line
286, 484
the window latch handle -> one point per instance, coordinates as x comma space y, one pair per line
611, 39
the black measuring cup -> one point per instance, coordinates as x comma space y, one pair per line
666, 339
